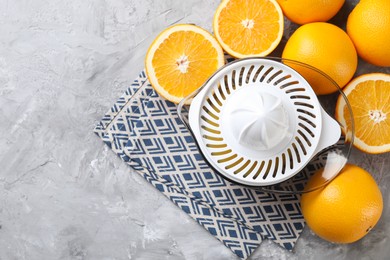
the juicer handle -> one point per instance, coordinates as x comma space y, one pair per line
183, 111
180, 108
330, 132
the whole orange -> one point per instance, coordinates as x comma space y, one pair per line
368, 25
308, 11
346, 209
327, 48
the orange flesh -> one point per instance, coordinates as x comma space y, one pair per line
179, 49
249, 27
371, 109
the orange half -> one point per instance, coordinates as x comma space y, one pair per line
181, 59
369, 97
247, 28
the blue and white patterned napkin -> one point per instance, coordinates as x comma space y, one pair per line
145, 131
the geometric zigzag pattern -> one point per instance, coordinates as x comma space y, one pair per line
237, 237
224, 229
145, 131
164, 146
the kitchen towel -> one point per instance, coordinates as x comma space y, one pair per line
145, 131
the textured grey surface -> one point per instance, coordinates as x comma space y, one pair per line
63, 194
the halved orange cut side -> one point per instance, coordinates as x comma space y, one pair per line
246, 28
181, 59
369, 97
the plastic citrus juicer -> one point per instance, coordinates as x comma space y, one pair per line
258, 122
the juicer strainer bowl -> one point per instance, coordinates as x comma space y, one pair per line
259, 123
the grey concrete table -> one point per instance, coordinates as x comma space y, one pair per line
63, 194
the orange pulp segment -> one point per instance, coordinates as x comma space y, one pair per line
247, 28
369, 97
181, 59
